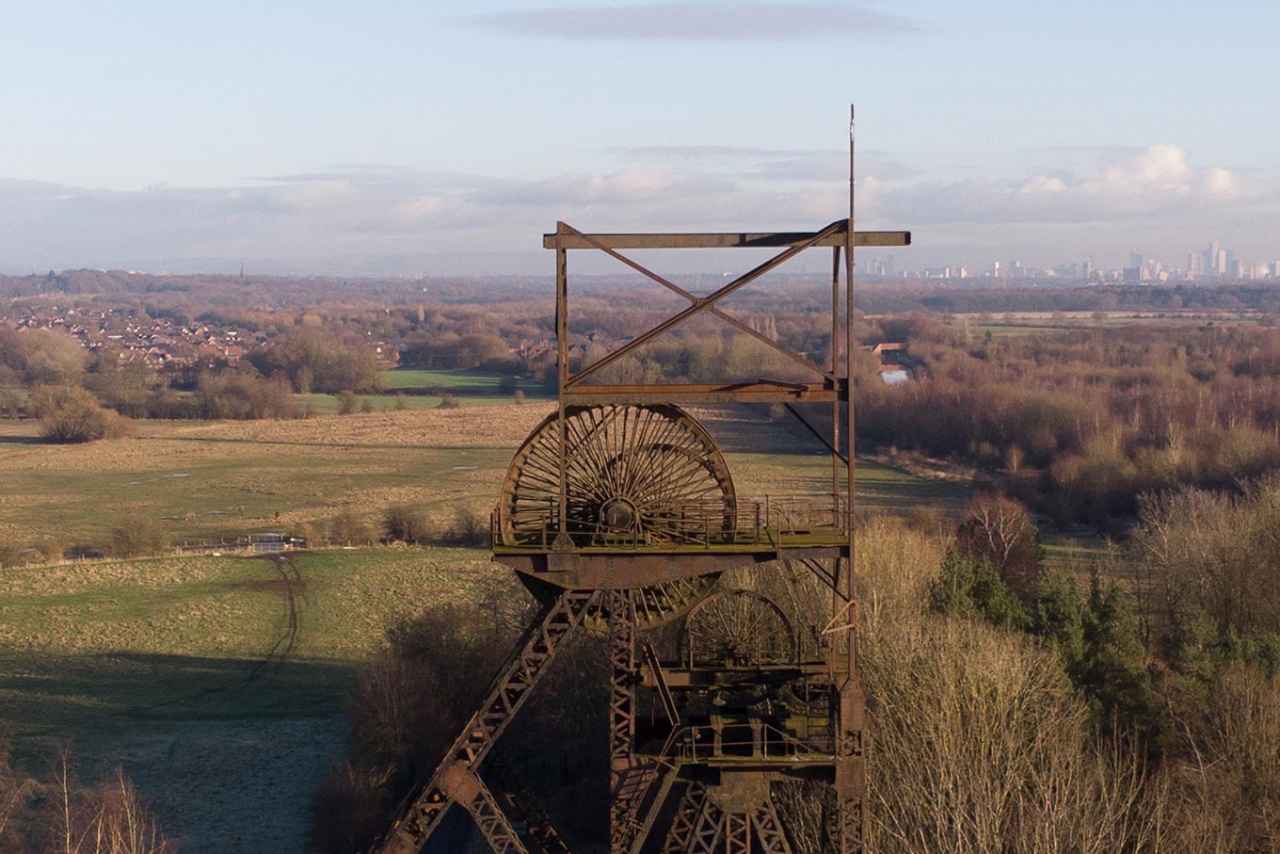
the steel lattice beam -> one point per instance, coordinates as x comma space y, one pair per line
688, 812
425, 807
708, 830
470, 792
769, 831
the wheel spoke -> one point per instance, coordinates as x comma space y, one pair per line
661, 471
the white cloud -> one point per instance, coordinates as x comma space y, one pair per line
1153, 181
1220, 184
1043, 184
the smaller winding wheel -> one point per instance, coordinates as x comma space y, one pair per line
640, 475
738, 628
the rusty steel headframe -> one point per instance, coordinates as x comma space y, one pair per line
620, 506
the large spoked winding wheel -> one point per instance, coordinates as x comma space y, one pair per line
642, 475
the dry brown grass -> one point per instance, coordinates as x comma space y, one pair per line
1225, 795
978, 742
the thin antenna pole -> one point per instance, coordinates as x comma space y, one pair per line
848, 333
851, 776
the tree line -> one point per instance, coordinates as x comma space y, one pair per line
1082, 423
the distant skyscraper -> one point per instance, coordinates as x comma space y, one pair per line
1215, 260
1275, 269
1237, 269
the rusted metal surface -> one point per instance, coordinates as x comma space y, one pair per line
679, 837
759, 391
470, 792
722, 240
621, 504
769, 833
627, 472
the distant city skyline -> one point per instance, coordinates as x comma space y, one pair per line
1215, 263
391, 138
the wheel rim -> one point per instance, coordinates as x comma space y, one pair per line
647, 474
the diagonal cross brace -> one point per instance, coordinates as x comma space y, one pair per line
466, 789
673, 287
817, 433
706, 302
422, 811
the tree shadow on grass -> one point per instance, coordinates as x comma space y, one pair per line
23, 440
61, 697
228, 752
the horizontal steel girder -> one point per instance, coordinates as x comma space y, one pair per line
750, 392
721, 240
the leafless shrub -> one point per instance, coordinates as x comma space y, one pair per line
349, 528
139, 536
1213, 553
60, 816
1225, 791
69, 414
468, 528
406, 523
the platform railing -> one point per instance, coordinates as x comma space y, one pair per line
750, 521
699, 743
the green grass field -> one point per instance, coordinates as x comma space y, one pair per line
458, 381
327, 404
407, 386
187, 672
195, 480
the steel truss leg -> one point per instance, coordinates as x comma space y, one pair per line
425, 807
470, 792
707, 831
629, 783
768, 829
688, 811
737, 833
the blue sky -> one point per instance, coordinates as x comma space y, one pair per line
439, 138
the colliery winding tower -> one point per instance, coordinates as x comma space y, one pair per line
620, 508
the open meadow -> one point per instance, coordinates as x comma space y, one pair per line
195, 480
218, 682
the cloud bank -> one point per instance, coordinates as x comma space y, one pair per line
388, 219
1156, 181
699, 22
